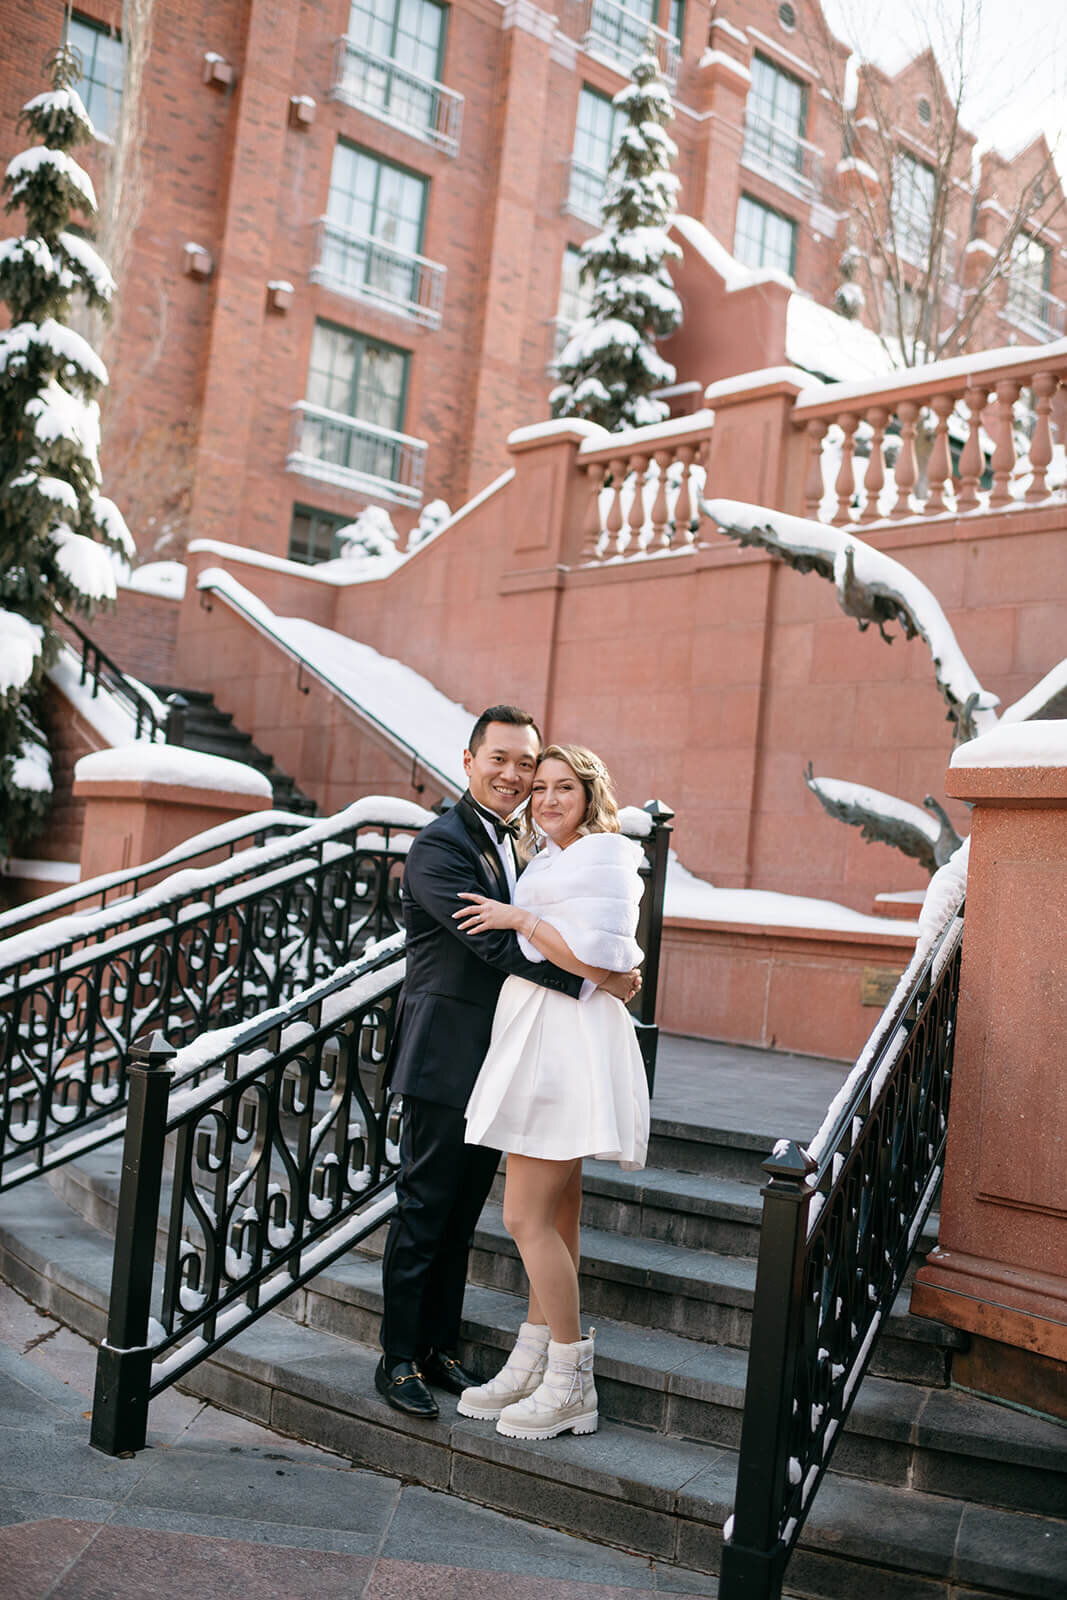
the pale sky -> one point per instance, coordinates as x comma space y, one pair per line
1015, 54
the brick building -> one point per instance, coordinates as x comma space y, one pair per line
357, 248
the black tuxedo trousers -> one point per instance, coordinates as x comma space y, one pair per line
440, 1192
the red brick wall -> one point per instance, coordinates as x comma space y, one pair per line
139, 635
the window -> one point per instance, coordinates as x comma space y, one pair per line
575, 300
312, 534
776, 114
101, 80
914, 191
409, 32
357, 376
763, 237
373, 236
595, 133
1029, 301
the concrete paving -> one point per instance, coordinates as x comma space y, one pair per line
220, 1507
743, 1088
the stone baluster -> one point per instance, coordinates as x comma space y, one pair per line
636, 520
661, 534
874, 477
1059, 413
683, 506
971, 462
907, 467
813, 487
595, 475
939, 468
1044, 385
1004, 453
845, 485
613, 522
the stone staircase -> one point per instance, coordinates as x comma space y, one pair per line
934, 1492
212, 731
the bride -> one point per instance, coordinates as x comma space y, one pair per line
563, 1079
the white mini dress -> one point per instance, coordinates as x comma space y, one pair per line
563, 1077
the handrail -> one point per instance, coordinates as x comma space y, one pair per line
128, 880
96, 664
208, 584
840, 1224
224, 944
279, 1166
984, 369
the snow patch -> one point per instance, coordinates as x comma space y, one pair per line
168, 763
20, 647
1016, 744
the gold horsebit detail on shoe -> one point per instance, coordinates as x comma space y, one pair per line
408, 1377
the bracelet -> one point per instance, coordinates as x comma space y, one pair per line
534, 929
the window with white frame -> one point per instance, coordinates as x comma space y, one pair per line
764, 237
100, 85
596, 130
575, 299
372, 238
914, 196
776, 114
1028, 300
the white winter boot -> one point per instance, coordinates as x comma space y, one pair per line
518, 1377
565, 1398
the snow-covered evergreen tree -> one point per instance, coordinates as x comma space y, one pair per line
57, 532
610, 366
372, 534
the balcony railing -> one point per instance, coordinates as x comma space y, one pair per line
781, 155
621, 35
1034, 310
583, 190
355, 455
391, 92
363, 268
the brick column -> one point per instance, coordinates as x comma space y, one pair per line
724, 81
522, 111
244, 265
1000, 1267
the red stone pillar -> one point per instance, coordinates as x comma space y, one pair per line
1000, 1267
141, 800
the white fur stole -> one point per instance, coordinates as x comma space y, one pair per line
590, 893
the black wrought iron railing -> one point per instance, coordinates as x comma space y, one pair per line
235, 940
840, 1225
100, 672
282, 1156
94, 894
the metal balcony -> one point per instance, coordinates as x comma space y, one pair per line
781, 155
364, 268
386, 90
355, 455
1035, 311
620, 35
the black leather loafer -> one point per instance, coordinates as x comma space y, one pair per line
443, 1370
401, 1385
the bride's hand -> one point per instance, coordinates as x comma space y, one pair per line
484, 914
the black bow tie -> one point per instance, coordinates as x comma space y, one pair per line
501, 828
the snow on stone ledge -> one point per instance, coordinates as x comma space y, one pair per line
168, 763
163, 578
697, 900
1016, 744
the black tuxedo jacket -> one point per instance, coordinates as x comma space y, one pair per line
453, 978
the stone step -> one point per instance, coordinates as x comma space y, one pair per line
661, 1496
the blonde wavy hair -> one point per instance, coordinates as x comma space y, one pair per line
601, 807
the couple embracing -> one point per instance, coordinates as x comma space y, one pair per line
512, 1036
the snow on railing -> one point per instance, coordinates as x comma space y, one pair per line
973, 434
644, 488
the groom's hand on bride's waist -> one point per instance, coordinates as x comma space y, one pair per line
623, 985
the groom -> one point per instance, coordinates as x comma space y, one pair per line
446, 1017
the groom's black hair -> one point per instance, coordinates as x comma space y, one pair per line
509, 714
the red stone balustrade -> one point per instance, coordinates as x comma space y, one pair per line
643, 489
969, 401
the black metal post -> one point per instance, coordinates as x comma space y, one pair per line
753, 1558
124, 1362
177, 718
650, 934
